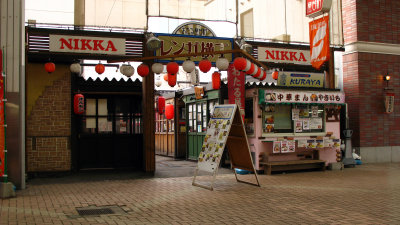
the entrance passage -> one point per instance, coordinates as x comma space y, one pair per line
110, 133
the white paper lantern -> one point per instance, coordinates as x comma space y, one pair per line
194, 77
222, 64
248, 66
122, 68
128, 70
75, 68
188, 66
157, 68
158, 82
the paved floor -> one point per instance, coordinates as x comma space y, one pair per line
367, 194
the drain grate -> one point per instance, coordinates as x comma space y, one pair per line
94, 211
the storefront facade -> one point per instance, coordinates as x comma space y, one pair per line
117, 126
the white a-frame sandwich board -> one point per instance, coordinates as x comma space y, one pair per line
225, 128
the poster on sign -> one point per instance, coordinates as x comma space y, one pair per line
225, 129
319, 41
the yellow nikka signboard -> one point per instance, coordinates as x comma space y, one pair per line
300, 79
177, 45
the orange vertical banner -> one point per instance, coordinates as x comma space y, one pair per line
319, 41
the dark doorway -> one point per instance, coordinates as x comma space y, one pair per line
110, 133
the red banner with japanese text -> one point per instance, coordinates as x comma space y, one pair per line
319, 41
2, 138
236, 92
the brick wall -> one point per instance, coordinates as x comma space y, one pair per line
364, 88
371, 20
48, 125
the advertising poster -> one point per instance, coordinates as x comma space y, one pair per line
215, 139
298, 126
306, 124
291, 146
311, 144
302, 143
328, 143
320, 143
284, 147
276, 148
295, 114
314, 111
336, 143
316, 123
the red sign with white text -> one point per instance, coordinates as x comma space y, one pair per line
236, 92
319, 41
317, 7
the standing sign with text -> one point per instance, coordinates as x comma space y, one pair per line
236, 92
319, 41
225, 130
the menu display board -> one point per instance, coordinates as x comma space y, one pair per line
215, 139
225, 128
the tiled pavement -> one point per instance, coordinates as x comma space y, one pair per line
367, 194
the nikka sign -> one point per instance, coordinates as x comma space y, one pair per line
317, 7
283, 55
85, 44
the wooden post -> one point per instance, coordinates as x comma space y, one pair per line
149, 156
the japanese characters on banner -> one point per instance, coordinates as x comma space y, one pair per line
216, 137
389, 102
292, 96
182, 44
236, 92
2, 137
319, 41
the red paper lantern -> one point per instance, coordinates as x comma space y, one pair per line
240, 63
79, 104
258, 73
50, 67
275, 75
169, 111
205, 65
216, 80
161, 105
166, 77
143, 70
251, 70
100, 68
172, 80
264, 75
172, 68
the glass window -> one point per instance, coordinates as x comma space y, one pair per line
279, 118
122, 125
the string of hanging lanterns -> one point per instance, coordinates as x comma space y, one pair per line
222, 64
